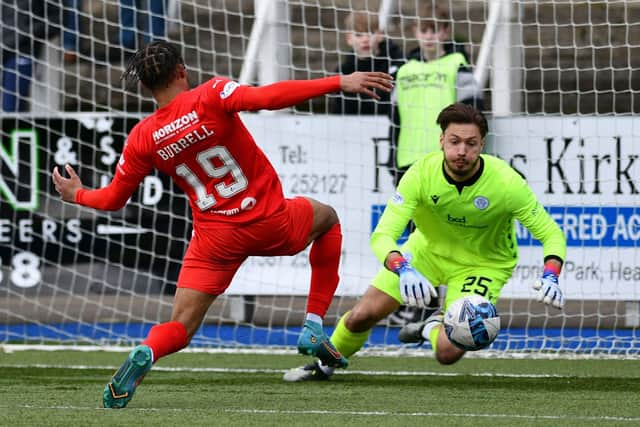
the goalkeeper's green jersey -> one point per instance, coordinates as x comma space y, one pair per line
471, 223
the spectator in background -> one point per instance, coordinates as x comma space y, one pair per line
138, 16
436, 74
71, 28
371, 52
26, 25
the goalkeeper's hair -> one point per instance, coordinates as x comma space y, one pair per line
462, 113
153, 65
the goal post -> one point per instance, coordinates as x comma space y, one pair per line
561, 94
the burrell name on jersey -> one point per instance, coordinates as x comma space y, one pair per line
186, 141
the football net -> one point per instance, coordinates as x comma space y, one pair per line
560, 85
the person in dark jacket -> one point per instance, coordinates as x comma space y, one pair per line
371, 51
25, 25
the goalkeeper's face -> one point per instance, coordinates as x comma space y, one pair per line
462, 144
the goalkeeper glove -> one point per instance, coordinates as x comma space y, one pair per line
415, 289
549, 291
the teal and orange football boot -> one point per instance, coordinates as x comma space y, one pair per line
119, 391
314, 342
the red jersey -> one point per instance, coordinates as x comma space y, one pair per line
199, 140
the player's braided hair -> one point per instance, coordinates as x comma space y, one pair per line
462, 113
154, 65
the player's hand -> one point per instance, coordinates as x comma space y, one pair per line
364, 82
549, 291
66, 187
415, 289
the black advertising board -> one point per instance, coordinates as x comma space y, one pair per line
38, 231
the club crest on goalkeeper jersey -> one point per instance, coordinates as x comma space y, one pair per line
199, 140
473, 225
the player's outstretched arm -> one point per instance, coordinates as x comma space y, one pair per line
543, 227
292, 92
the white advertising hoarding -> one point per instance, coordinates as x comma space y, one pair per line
331, 159
585, 170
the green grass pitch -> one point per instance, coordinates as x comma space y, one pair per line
197, 389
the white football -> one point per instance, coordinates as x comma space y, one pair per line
472, 323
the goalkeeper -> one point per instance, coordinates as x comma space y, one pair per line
463, 204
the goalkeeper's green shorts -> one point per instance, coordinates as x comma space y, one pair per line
460, 279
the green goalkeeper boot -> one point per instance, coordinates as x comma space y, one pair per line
412, 332
119, 391
314, 342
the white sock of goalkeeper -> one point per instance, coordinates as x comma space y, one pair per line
326, 369
426, 331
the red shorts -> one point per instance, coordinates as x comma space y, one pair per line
216, 252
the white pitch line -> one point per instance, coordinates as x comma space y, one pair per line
432, 414
395, 351
342, 412
281, 371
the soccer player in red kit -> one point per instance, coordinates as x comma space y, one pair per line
239, 209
